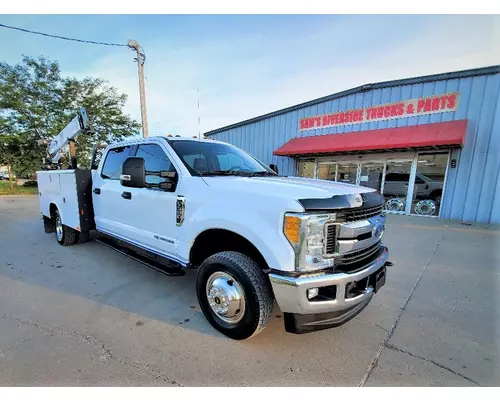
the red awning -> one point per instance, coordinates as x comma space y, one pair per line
441, 134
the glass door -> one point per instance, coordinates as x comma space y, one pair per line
396, 182
429, 182
371, 174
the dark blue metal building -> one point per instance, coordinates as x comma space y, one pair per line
430, 144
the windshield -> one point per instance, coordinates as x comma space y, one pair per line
210, 158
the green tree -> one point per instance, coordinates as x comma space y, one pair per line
36, 102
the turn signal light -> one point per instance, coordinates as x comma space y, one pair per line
292, 229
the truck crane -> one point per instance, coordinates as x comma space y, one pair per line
80, 124
72, 186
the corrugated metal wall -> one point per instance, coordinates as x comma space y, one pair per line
472, 191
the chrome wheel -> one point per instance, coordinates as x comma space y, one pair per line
425, 207
395, 204
225, 297
59, 227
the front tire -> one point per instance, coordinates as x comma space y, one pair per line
234, 294
65, 235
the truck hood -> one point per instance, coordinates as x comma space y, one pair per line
285, 187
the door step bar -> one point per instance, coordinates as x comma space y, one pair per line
148, 259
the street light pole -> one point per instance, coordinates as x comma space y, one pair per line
140, 67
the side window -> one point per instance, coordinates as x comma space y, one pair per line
155, 161
390, 178
419, 180
114, 160
397, 177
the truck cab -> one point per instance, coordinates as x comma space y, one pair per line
314, 247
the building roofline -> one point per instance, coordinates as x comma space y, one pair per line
494, 69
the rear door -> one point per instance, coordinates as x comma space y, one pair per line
106, 191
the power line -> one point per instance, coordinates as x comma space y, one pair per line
62, 37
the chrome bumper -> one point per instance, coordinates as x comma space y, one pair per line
291, 292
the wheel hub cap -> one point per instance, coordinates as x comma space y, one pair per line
59, 228
225, 297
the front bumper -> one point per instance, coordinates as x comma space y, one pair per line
302, 314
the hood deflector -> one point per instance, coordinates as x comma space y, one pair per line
359, 201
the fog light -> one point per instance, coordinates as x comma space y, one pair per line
312, 293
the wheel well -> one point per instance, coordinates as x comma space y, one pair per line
436, 192
214, 241
52, 209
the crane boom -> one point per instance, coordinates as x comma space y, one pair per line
78, 125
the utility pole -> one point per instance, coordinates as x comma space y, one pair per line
141, 58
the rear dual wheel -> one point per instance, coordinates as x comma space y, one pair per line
65, 235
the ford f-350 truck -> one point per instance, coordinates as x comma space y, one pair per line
315, 247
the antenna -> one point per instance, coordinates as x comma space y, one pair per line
198, 95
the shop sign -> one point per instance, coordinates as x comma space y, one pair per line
407, 108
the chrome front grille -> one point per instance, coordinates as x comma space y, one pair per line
358, 255
354, 237
360, 214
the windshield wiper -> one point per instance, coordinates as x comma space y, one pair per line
236, 173
262, 173
222, 173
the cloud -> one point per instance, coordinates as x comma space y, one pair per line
244, 76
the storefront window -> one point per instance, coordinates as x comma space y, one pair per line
429, 181
371, 174
305, 168
327, 171
347, 172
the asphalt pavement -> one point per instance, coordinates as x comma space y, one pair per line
86, 315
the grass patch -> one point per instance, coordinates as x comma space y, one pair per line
19, 190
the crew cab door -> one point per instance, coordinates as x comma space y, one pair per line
145, 217
106, 190
148, 215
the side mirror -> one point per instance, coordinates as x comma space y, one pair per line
171, 182
274, 167
133, 172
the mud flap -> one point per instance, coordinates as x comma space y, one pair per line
48, 225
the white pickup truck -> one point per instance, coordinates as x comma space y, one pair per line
255, 237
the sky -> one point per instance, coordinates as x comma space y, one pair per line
247, 65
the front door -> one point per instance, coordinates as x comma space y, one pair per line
142, 216
149, 213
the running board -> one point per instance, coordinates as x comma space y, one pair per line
150, 260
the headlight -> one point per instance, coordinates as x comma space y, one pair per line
306, 234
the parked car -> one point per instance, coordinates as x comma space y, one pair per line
396, 184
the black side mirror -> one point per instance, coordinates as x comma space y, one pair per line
274, 167
133, 172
